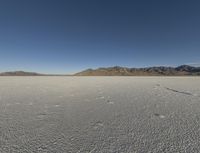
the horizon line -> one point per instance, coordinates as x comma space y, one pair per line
94, 68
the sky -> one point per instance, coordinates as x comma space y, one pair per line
67, 36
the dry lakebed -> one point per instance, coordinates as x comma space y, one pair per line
99, 114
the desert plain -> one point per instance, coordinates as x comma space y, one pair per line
52, 114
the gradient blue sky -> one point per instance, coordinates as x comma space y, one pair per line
65, 36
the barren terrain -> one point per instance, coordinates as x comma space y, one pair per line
99, 114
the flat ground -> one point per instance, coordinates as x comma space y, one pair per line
99, 114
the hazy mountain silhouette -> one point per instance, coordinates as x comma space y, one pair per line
20, 73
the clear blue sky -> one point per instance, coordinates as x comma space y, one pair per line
65, 36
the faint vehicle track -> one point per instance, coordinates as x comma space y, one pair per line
182, 92
177, 91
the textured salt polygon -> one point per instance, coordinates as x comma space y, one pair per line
99, 114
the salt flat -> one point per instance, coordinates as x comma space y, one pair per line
99, 114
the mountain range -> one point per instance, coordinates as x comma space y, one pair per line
183, 70
20, 73
149, 71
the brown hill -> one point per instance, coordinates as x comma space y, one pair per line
150, 71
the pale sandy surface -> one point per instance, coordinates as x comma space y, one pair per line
99, 114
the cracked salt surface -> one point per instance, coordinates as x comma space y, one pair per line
101, 97
99, 114
98, 124
110, 102
159, 115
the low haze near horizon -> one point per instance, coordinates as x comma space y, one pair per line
66, 36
